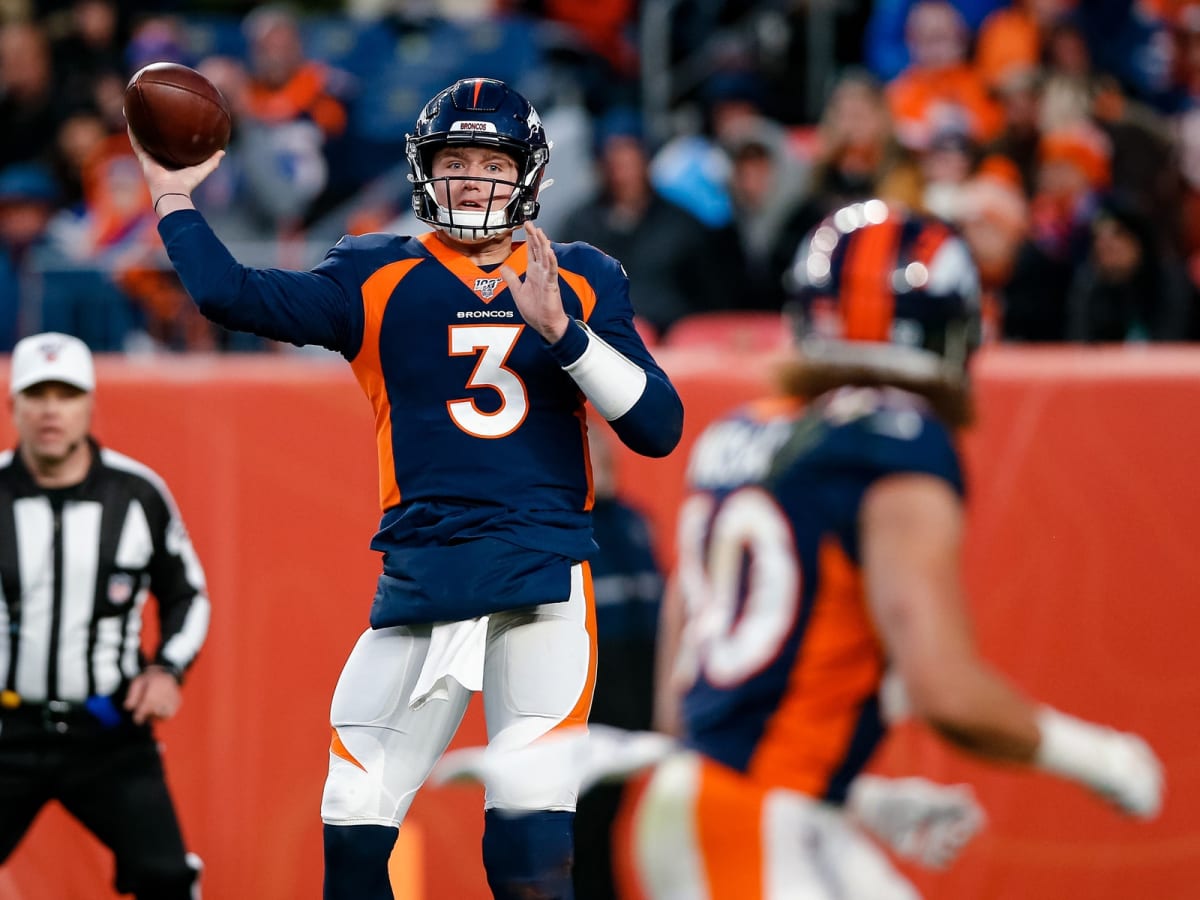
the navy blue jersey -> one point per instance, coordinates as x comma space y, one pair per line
786, 659
481, 434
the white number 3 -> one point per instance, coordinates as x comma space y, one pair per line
493, 344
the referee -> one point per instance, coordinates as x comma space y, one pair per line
85, 535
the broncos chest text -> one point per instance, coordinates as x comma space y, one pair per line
464, 384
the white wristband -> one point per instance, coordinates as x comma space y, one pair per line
1069, 747
1120, 767
610, 380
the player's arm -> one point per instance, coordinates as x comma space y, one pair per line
637, 400
911, 542
297, 307
911, 533
609, 363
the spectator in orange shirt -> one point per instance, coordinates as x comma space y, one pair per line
1014, 39
292, 114
939, 83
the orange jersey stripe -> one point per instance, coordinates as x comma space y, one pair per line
581, 414
469, 273
376, 292
583, 290
839, 665
868, 303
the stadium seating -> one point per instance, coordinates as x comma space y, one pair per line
647, 332
747, 330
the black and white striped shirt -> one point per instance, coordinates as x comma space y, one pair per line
77, 565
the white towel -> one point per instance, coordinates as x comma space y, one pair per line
456, 650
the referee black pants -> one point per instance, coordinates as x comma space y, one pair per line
110, 779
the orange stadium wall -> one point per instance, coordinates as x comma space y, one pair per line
1082, 567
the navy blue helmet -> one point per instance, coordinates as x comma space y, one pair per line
880, 287
479, 112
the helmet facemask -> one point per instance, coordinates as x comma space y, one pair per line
499, 215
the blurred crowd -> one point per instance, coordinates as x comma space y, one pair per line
1061, 137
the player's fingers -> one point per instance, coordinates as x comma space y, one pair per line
535, 247
141, 712
137, 690
139, 151
209, 166
510, 278
551, 261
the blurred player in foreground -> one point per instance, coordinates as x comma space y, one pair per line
821, 541
474, 352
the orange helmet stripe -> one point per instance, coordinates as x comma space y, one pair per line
868, 303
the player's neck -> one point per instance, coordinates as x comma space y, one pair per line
482, 253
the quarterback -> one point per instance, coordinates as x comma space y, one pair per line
478, 354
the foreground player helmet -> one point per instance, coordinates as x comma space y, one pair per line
478, 112
880, 288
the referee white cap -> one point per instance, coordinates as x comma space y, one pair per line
51, 356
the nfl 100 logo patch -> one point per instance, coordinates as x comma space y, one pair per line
486, 287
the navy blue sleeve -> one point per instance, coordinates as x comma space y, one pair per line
321, 306
654, 425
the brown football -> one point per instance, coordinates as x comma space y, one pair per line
177, 114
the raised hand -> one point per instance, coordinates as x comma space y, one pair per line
537, 297
171, 189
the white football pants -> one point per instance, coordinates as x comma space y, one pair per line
538, 672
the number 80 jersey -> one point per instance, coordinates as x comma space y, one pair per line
782, 656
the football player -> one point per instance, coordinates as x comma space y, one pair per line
819, 545
478, 353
